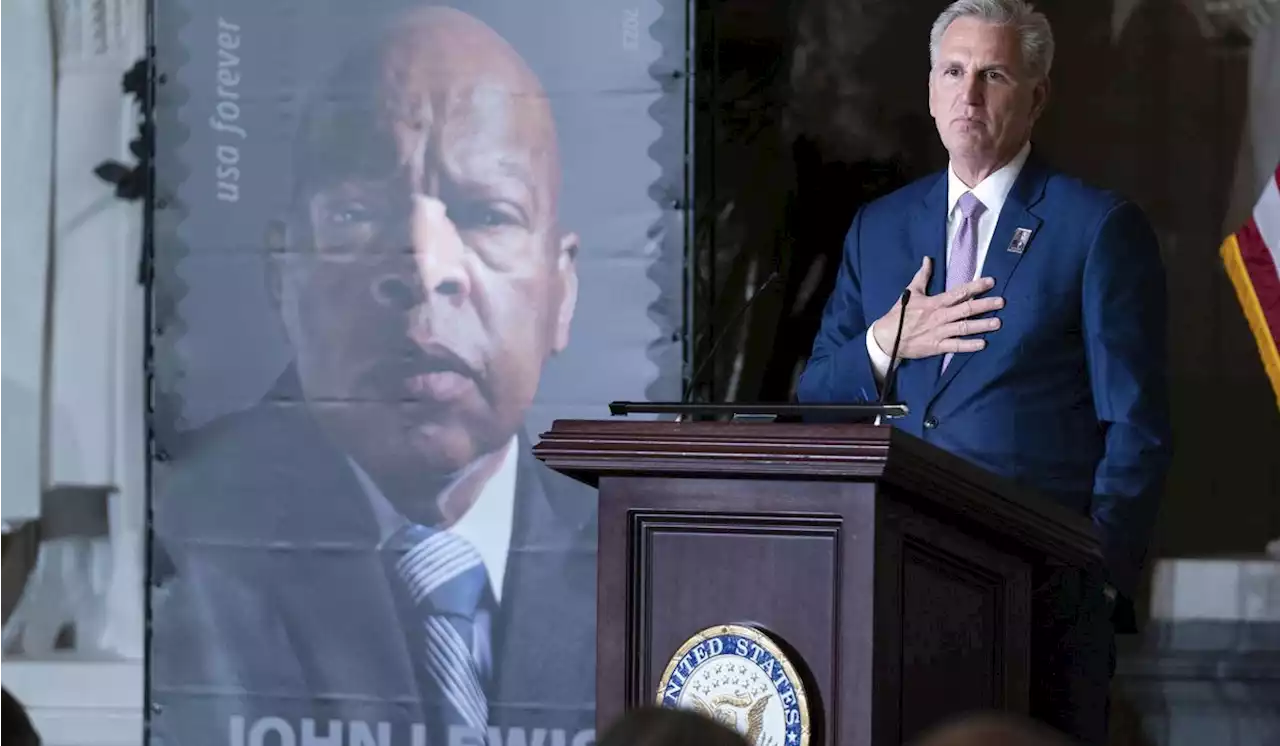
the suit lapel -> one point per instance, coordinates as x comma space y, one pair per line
1000, 262
330, 584
928, 237
353, 636
546, 632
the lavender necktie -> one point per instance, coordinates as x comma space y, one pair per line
962, 263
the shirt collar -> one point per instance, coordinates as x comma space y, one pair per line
487, 524
489, 521
991, 191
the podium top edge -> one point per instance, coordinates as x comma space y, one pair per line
852, 410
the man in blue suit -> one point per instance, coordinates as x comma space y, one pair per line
1033, 342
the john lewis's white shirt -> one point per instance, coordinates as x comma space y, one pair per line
487, 524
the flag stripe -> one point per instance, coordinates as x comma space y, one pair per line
1246, 291
1266, 219
1260, 268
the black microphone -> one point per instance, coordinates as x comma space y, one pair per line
892, 373
724, 333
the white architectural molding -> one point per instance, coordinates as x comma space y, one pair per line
74, 702
1216, 589
24, 231
95, 428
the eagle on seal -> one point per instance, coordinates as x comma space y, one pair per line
726, 709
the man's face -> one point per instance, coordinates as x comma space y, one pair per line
434, 281
981, 94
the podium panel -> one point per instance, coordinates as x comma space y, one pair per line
961, 627
701, 553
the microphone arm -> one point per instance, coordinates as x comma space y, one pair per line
891, 375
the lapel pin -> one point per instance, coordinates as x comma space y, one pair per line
1019, 242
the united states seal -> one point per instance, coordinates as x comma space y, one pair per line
738, 676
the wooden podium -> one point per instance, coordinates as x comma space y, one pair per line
899, 575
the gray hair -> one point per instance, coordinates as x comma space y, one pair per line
1033, 29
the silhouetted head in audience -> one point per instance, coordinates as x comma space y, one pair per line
658, 726
18, 729
993, 729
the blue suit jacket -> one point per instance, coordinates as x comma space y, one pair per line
1070, 395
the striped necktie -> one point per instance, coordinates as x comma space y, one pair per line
446, 582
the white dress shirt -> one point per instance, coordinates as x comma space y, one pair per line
487, 524
992, 193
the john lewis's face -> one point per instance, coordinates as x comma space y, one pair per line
434, 281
